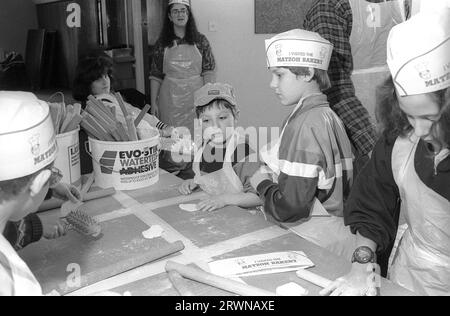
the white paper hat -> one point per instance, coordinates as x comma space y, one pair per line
418, 53
185, 2
298, 48
27, 137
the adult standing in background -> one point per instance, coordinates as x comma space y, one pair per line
182, 63
333, 20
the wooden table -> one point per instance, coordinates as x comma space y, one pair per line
230, 232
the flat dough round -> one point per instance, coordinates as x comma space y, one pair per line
189, 207
154, 232
291, 289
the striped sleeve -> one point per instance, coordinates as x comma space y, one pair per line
315, 161
154, 121
303, 168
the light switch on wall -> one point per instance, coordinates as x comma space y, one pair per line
212, 26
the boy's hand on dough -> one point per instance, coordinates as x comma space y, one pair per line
212, 203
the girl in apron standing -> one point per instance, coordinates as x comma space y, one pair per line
410, 168
182, 63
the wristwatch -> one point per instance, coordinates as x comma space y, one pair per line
364, 255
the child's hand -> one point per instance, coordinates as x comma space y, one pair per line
187, 187
212, 203
66, 192
154, 110
167, 132
52, 229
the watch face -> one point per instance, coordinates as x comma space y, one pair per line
364, 255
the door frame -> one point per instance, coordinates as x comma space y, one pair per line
140, 31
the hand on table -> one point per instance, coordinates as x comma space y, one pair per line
212, 203
66, 192
361, 281
187, 187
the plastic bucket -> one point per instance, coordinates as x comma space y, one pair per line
68, 158
126, 165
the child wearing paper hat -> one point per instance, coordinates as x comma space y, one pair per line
27, 152
223, 165
312, 159
410, 164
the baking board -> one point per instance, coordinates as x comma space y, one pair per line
165, 188
103, 205
208, 228
122, 239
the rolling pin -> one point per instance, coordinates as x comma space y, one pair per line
120, 267
179, 283
313, 278
204, 277
56, 203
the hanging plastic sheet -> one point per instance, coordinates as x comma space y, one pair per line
372, 22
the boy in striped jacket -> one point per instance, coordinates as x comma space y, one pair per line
312, 160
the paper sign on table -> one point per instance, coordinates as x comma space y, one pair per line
261, 264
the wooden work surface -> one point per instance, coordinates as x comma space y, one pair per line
230, 232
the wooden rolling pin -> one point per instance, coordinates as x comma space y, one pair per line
201, 276
121, 267
313, 278
56, 203
179, 283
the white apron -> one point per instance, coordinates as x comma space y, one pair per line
182, 69
223, 181
25, 284
320, 228
422, 261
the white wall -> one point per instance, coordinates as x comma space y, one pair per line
240, 56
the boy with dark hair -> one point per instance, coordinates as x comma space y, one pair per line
313, 158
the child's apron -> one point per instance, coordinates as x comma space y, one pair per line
182, 68
422, 261
324, 230
223, 181
24, 282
